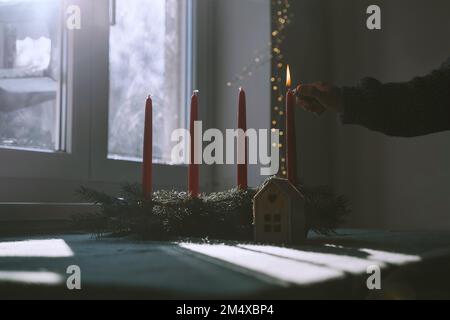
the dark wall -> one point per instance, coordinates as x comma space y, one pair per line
307, 49
393, 183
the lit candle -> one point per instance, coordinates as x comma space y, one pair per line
148, 150
193, 178
242, 125
291, 147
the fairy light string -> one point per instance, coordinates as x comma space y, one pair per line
281, 18
273, 53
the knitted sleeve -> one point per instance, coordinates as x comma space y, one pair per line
418, 107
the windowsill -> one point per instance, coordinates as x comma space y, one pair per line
29, 149
139, 160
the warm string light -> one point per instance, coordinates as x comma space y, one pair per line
282, 18
261, 58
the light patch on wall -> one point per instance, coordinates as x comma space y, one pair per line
51, 248
42, 277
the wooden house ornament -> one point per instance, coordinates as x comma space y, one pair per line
279, 213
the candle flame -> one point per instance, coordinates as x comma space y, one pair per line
288, 77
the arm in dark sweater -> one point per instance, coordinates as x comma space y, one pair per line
418, 107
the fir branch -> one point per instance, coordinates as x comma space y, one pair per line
95, 196
325, 211
226, 215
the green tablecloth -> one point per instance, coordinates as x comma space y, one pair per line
412, 264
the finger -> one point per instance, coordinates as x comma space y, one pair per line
320, 85
310, 90
323, 86
302, 103
318, 109
312, 105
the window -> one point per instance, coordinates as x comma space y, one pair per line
147, 55
272, 223
72, 101
31, 100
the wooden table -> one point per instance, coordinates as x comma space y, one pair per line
413, 265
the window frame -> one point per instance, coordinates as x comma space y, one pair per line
24, 164
28, 176
120, 170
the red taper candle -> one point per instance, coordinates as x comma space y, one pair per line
291, 147
147, 182
242, 125
193, 178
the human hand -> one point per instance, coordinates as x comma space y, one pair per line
318, 97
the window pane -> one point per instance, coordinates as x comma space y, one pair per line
147, 56
30, 65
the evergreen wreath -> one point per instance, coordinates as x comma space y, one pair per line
226, 215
